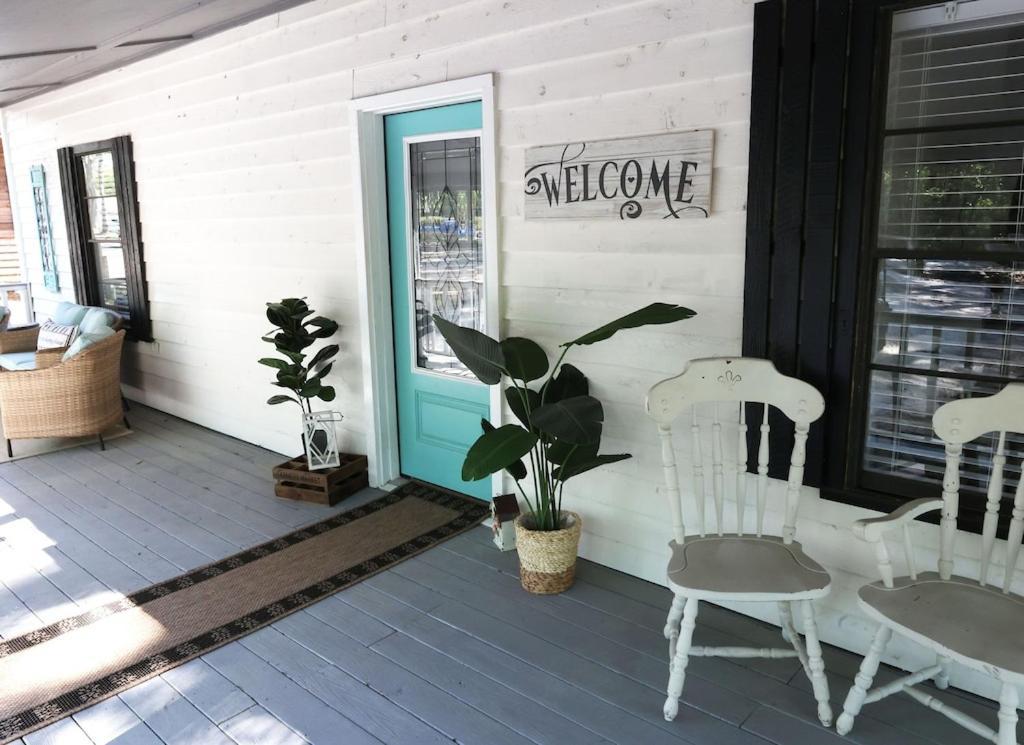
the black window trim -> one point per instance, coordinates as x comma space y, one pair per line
826, 346
83, 262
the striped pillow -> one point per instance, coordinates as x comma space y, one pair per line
55, 336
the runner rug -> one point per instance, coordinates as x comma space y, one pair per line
57, 670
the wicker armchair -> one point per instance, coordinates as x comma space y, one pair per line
80, 396
21, 339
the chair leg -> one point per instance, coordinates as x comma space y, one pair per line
677, 674
1008, 702
862, 681
816, 665
942, 679
126, 424
103, 445
785, 620
675, 615
10, 452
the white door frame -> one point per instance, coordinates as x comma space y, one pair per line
372, 260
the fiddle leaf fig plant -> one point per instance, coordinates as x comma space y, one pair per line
560, 423
296, 329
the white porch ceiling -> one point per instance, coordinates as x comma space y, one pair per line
45, 44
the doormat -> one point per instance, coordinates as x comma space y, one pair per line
62, 668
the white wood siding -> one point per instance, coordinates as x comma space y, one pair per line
244, 183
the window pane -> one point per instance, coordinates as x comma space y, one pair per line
111, 276
948, 73
900, 440
447, 251
964, 316
98, 173
104, 221
948, 190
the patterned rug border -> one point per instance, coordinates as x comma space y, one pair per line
471, 513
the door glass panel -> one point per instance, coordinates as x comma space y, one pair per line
113, 285
447, 245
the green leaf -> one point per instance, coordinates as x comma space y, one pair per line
569, 382
326, 393
524, 358
278, 314
323, 355
558, 452
325, 327
515, 403
479, 352
296, 357
516, 469
575, 420
576, 467
494, 450
323, 371
274, 400
274, 363
296, 307
311, 389
653, 314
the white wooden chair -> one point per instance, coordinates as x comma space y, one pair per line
977, 623
745, 565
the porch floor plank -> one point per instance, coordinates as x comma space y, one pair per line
443, 647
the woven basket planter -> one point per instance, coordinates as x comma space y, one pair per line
547, 558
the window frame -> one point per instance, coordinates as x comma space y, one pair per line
797, 224
856, 487
84, 271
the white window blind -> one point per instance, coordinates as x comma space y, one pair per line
949, 289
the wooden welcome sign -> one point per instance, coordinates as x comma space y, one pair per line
655, 177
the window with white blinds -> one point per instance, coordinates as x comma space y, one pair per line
948, 267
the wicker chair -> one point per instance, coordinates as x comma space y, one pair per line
73, 398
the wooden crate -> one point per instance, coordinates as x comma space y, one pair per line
327, 486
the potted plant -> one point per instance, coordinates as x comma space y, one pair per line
559, 432
296, 329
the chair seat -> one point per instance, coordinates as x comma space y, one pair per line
971, 623
18, 361
745, 568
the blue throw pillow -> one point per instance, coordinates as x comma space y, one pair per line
96, 319
69, 314
85, 340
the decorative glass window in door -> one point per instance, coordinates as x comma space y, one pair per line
447, 245
41, 202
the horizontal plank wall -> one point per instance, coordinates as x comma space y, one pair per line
245, 194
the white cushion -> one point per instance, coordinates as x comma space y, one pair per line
53, 335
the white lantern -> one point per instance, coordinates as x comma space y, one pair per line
321, 439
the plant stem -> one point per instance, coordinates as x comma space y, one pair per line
521, 491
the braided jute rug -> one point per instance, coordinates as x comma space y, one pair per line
59, 669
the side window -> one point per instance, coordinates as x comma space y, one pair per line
104, 235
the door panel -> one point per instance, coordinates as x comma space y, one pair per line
435, 231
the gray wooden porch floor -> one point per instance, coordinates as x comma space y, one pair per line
442, 647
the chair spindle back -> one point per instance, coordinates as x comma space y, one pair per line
732, 380
960, 422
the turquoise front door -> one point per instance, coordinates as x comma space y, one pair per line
435, 232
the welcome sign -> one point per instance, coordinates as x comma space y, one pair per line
658, 177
